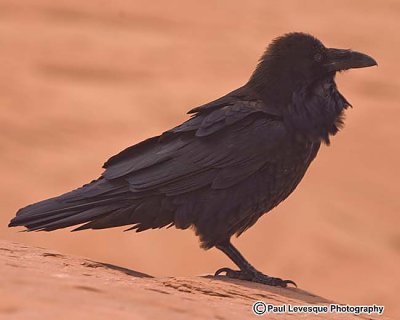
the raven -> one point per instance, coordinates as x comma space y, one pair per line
235, 159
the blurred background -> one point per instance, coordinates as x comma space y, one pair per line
81, 80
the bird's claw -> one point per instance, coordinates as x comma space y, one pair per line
234, 274
255, 277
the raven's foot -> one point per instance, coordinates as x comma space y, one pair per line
255, 276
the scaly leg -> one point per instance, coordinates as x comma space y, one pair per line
247, 271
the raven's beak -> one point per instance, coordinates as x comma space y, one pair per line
340, 59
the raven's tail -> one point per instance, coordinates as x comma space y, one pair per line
88, 204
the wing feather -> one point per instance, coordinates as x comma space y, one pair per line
216, 148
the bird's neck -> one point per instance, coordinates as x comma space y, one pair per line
273, 85
313, 110
317, 111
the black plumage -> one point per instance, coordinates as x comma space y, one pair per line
234, 160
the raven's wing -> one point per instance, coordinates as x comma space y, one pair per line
216, 148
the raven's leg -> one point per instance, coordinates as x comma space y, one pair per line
247, 271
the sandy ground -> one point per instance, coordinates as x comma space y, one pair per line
39, 283
80, 80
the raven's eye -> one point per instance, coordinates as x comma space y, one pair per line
318, 57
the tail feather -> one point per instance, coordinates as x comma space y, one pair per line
100, 204
89, 202
69, 220
119, 217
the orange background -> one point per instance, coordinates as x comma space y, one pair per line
81, 80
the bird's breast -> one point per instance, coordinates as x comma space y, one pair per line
283, 176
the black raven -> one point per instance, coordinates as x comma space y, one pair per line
235, 159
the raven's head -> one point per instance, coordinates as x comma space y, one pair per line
298, 59
296, 74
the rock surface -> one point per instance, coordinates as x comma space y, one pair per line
38, 283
